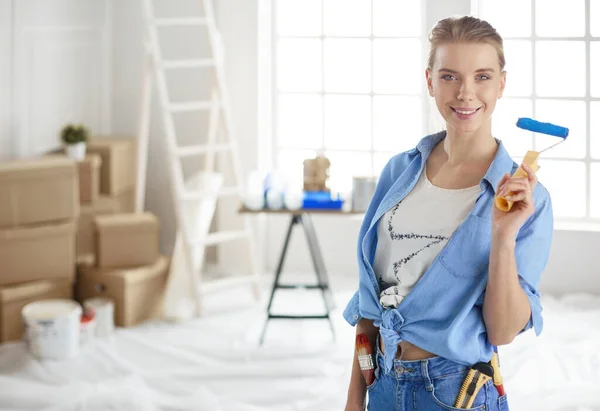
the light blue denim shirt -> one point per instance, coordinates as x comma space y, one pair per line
443, 313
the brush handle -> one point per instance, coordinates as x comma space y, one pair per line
530, 159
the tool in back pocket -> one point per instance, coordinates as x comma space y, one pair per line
478, 375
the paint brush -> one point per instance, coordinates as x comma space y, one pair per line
364, 352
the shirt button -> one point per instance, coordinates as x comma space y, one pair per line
355, 316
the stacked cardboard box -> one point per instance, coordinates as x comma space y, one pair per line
128, 269
39, 208
107, 177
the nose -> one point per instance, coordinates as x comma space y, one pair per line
466, 91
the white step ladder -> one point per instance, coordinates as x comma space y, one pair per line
185, 192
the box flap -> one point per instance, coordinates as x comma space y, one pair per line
37, 230
138, 221
30, 289
103, 205
42, 167
103, 144
126, 275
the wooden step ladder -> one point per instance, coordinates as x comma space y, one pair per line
220, 121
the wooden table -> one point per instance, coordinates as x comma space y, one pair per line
303, 218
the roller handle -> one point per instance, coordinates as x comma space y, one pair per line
531, 160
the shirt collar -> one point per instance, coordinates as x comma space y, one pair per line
501, 164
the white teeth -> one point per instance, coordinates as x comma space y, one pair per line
465, 112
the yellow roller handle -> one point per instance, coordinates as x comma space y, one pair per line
530, 159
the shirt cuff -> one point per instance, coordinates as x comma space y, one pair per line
351, 313
535, 320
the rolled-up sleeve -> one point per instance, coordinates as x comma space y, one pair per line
352, 313
532, 250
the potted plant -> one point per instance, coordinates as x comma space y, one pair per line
75, 138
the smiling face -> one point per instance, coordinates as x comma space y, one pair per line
466, 81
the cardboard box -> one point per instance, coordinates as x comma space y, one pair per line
13, 298
40, 190
126, 240
89, 178
86, 230
137, 292
118, 170
125, 201
37, 253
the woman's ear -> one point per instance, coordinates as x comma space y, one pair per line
502, 84
429, 80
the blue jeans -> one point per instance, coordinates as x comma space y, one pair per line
426, 385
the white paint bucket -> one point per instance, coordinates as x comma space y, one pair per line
104, 309
52, 328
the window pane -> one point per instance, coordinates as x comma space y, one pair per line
570, 114
299, 65
562, 76
348, 122
595, 17
379, 161
518, 67
348, 65
344, 166
504, 125
512, 18
595, 129
595, 194
300, 121
560, 18
566, 181
299, 17
347, 17
397, 66
595, 68
397, 18
397, 122
290, 163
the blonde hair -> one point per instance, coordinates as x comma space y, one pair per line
466, 29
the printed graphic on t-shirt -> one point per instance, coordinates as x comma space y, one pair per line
434, 239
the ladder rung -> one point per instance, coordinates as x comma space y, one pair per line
193, 106
197, 195
184, 21
189, 151
222, 237
176, 64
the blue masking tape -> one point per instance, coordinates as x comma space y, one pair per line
544, 128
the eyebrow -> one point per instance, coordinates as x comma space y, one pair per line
481, 70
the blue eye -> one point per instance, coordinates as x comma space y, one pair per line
483, 77
448, 77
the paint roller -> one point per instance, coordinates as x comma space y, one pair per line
531, 158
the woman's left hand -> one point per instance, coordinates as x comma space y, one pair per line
508, 223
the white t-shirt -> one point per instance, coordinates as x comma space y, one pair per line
413, 232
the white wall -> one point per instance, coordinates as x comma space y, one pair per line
572, 265
60, 70
54, 65
5, 61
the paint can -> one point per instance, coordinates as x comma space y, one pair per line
104, 309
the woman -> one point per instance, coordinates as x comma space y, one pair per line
444, 275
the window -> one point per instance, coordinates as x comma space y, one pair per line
552, 52
346, 81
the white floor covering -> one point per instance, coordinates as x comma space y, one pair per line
214, 363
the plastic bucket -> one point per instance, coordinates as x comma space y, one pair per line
52, 328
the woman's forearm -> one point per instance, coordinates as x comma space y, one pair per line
358, 387
506, 309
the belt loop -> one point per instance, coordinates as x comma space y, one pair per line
425, 373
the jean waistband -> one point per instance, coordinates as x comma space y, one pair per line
426, 369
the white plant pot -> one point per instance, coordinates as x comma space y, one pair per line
76, 151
